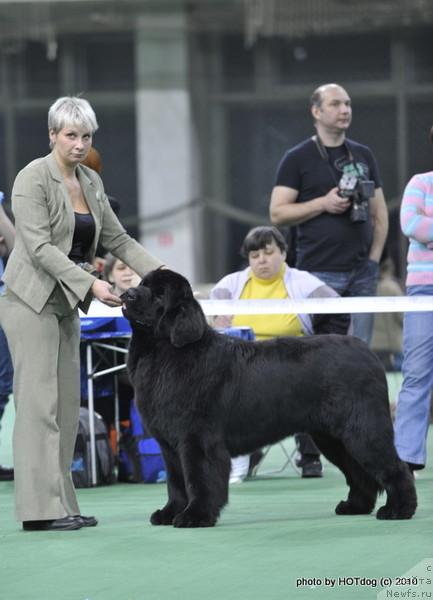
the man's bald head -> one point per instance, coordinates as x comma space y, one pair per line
318, 94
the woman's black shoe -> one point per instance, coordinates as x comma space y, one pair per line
86, 521
310, 465
6, 474
64, 524
414, 467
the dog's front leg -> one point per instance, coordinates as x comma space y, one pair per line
177, 498
206, 467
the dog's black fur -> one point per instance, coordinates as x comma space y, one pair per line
207, 396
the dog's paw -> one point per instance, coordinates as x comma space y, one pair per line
388, 512
161, 517
347, 508
192, 518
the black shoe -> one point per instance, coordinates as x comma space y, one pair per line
311, 468
64, 524
6, 474
414, 466
86, 521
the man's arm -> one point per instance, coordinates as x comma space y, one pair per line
284, 210
379, 215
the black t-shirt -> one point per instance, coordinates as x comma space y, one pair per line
328, 242
84, 234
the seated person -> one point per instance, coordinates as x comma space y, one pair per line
269, 277
122, 278
119, 274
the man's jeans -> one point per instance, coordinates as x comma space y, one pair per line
6, 372
361, 281
413, 406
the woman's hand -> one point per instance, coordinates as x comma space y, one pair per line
102, 290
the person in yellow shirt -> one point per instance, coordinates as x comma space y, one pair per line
269, 277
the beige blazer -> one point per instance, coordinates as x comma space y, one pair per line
45, 222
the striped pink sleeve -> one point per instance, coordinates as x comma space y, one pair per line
416, 213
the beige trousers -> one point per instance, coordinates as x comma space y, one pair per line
45, 355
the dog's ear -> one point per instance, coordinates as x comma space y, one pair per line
186, 325
182, 320
177, 292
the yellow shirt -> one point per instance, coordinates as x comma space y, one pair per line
268, 326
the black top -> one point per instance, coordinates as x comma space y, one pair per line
328, 242
84, 234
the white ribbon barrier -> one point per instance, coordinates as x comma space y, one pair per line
366, 304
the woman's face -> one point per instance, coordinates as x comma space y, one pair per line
266, 262
71, 144
122, 277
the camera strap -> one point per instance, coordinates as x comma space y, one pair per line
325, 156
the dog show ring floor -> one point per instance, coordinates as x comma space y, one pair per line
278, 539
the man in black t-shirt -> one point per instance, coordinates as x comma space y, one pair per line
342, 253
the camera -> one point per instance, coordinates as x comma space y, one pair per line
359, 191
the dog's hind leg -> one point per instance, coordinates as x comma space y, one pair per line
379, 458
363, 488
401, 500
177, 497
206, 466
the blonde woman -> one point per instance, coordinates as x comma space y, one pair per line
61, 213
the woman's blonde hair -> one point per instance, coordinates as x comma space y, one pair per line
71, 110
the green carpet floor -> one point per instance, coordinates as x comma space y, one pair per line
275, 531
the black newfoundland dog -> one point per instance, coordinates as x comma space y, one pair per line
206, 397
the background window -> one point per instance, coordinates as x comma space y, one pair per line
110, 63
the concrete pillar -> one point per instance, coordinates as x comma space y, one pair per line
167, 181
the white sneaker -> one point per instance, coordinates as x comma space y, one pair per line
236, 480
239, 468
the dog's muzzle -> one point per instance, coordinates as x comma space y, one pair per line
129, 296
129, 304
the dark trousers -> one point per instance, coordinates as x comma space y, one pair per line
6, 372
306, 446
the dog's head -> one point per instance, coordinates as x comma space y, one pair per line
164, 306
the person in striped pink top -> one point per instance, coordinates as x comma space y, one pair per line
413, 407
